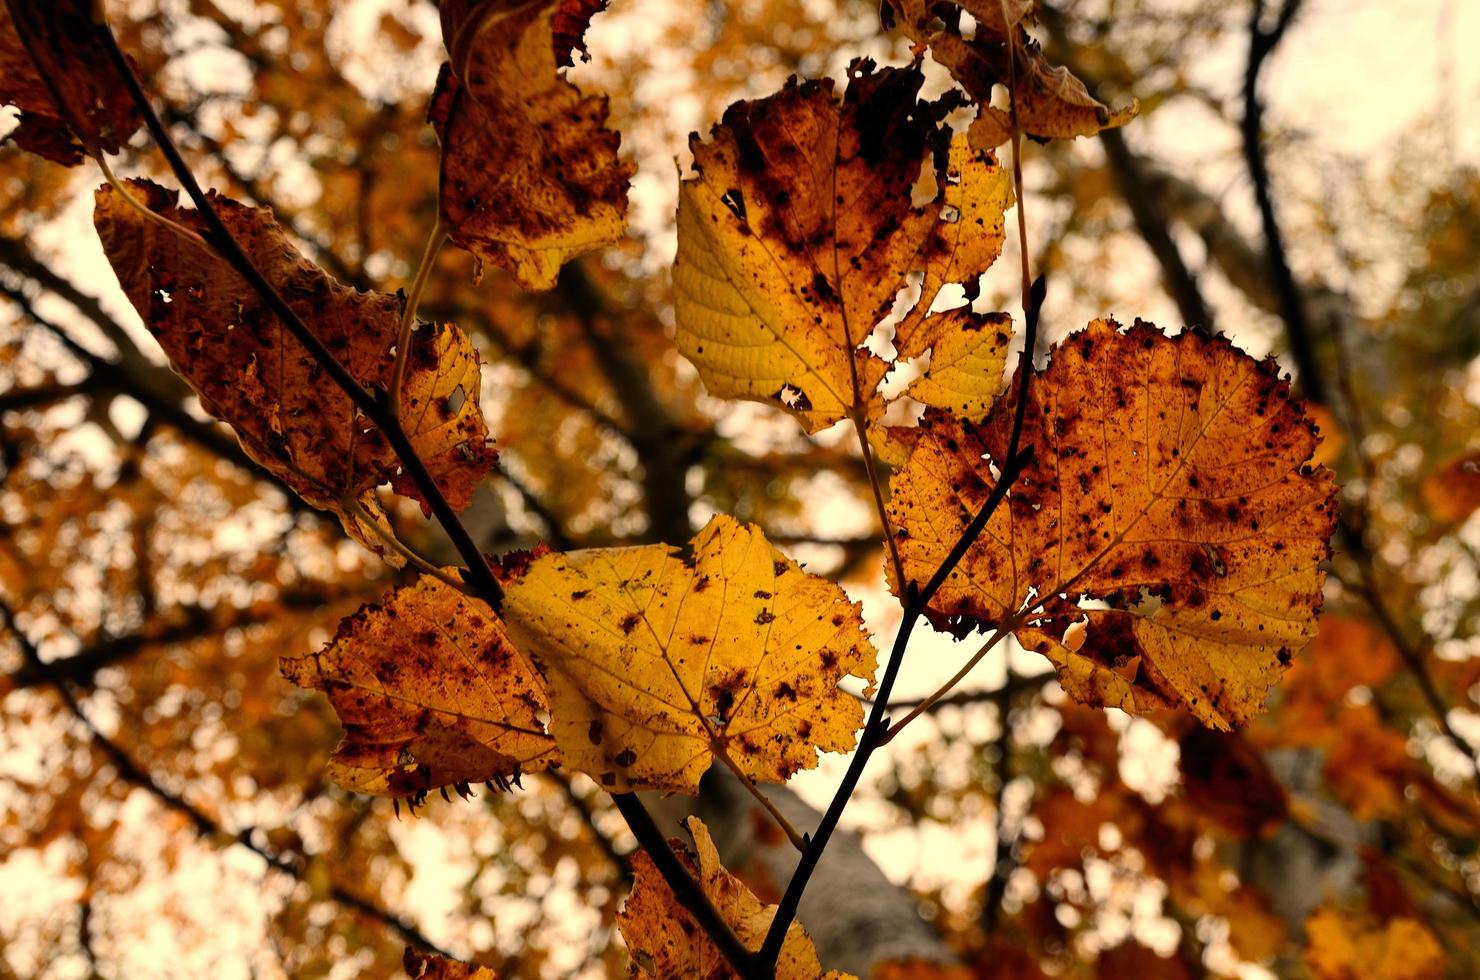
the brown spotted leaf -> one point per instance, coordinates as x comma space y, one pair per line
56, 70
530, 175
803, 220
430, 966
431, 693
659, 661
1051, 102
1171, 481
250, 371
664, 940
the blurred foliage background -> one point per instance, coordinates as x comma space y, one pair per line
162, 805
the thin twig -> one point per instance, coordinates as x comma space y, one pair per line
205, 826
400, 547
798, 839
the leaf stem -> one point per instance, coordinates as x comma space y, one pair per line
373, 407
798, 840
408, 315
400, 547
925, 705
148, 213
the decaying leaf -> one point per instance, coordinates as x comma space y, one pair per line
1346, 946
530, 175
1051, 102
430, 966
800, 226
250, 371
56, 70
659, 661
431, 693
1170, 480
665, 941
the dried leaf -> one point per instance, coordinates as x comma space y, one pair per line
665, 941
56, 70
250, 371
530, 175
429, 966
658, 661
800, 227
1171, 481
431, 693
1051, 102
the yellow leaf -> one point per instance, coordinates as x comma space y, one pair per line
431, 693
969, 351
250, 371
659, 661
665, 941
1346, 946
800, 227
530, 175
1170, 479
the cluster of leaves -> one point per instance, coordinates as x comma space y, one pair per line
1145, 512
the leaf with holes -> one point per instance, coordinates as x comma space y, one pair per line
55, 68
663, 939
1171, 482
250, 371
802, 223
431, 693
659, 661
1051, 102
530, 175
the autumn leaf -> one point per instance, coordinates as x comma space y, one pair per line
431, 693
430, 966
1170, 481
530, 176
56, 70
663, 939
659, 661
800, 226
1346, 946
1051, 102
250, 371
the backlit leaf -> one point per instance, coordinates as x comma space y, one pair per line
1051, 102
663, 939
530, 175
1170, 481
1452, 492
431, 693
250, 371
659, 660
800, 226
57, 72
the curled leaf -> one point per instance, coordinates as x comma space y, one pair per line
659, 661
801, 225
665, 941
55, 68
430, 966
431, 693
1170, 481
250, 371
530, 175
